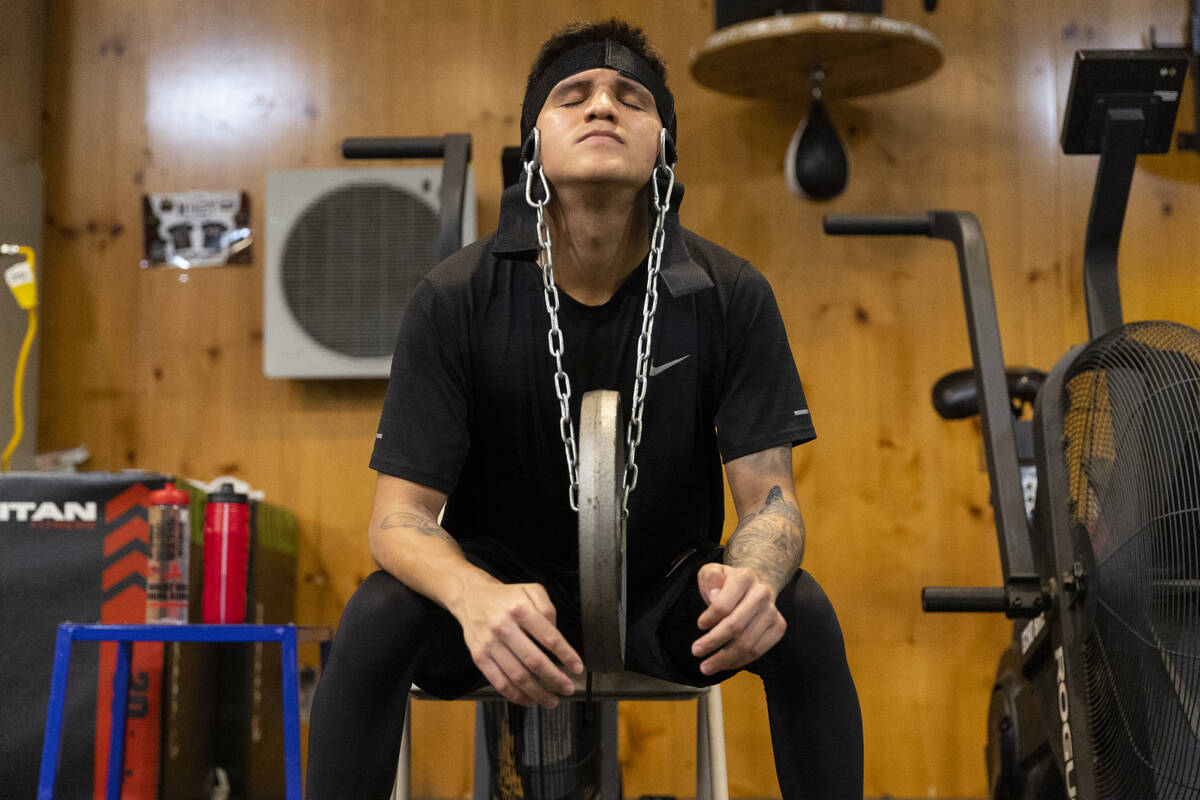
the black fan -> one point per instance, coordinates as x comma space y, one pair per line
1096, 499
1100, 696
1130, 442
543, 753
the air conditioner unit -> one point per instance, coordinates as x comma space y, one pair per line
344, 250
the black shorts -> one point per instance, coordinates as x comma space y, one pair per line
660, 628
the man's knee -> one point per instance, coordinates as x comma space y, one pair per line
384, 608
380, 594
813, 631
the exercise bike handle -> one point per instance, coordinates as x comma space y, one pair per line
400, 146
1022, 585
962, 598
879, 224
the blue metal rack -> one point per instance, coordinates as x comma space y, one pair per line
288, 637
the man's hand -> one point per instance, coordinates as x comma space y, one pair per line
741, 619
502, 626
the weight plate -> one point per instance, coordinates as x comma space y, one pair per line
602, 531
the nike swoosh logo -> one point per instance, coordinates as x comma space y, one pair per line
655, 369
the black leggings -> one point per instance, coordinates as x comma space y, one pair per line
390, 637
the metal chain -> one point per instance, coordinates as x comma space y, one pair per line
562, 383
658, 240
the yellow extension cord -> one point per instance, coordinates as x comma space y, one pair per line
26, 296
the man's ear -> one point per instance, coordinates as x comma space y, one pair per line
530, 148
671, 154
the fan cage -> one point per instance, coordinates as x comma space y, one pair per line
1131, 441
352, 260
544, 754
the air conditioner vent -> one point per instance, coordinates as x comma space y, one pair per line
389, 236
345, 248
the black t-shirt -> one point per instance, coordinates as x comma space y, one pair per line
471, 408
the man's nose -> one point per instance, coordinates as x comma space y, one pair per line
601, 104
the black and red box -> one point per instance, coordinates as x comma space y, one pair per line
73, 548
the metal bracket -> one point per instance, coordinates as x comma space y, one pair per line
1186, 140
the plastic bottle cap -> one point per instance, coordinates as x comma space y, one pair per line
227, 493
169, 496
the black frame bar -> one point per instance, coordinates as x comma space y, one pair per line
1123, 128
1022, 593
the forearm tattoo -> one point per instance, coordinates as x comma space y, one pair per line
418, 523
769, 541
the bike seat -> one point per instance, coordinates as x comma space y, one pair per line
955, 396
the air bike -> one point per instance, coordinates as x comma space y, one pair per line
1096, 498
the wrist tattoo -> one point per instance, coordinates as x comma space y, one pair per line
770, 541
418, 523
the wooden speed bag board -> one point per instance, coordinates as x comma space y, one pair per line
774, 58
602, 531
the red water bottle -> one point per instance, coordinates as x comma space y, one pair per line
226, 555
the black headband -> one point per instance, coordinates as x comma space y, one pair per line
607, 54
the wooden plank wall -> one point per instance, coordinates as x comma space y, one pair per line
149, 371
